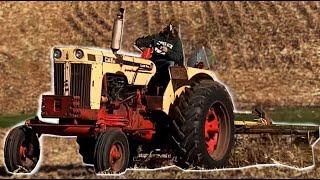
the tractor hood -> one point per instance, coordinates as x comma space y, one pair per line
76, 53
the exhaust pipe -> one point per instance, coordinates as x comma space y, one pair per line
117, 31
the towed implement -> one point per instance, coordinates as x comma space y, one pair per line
111, 101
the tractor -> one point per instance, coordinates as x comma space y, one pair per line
109, 101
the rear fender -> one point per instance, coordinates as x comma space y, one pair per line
181, 78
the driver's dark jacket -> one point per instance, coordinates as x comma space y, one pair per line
175, 52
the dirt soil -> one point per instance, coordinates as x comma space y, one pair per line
60, 159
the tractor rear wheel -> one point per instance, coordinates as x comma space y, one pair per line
21, 150
111, 152
202, 126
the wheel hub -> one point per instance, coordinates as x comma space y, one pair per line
115, 157
212, 130
22, 151
27, 155
115, 153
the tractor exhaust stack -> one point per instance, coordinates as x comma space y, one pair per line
117, 31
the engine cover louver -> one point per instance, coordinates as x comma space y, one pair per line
80, 80
80, 83
58, 78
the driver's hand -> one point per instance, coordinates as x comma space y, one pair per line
164, 49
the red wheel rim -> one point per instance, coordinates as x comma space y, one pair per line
211, 130
22, 152
116, 158
27, 155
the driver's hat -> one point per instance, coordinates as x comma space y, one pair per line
173, 24
171, 28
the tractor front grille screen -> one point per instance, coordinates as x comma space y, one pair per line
58, 78
80, 83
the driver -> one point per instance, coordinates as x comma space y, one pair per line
167, 52
167, 45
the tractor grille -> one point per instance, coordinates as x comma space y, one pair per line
58, 78
80, 83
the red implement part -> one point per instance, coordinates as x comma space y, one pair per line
211, 130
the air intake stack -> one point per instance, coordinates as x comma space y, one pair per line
117, 31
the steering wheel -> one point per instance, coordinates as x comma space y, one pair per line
137, 48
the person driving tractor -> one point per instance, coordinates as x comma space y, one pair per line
167, 51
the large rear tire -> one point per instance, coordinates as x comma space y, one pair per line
21, 150
202, 126
111, 152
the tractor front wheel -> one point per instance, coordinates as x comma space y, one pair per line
21, 150
111, 152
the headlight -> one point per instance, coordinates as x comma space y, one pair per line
57, 53
79, 53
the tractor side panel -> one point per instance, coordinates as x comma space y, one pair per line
96, 85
